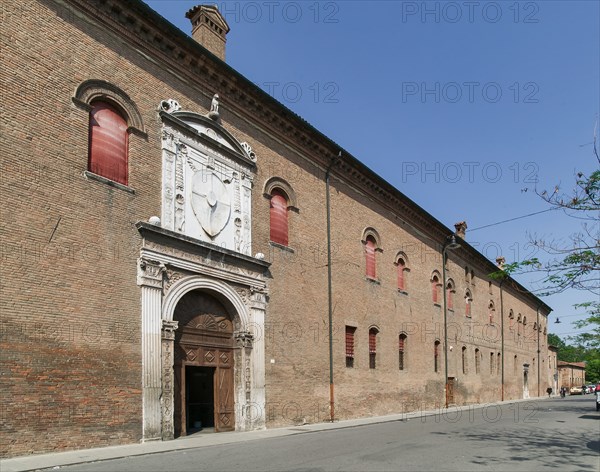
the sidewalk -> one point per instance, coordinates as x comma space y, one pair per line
57, 459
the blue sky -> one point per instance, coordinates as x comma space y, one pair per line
463, 106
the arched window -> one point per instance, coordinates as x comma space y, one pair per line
477, 361
373, 348
402, 271
491, 363
370, 246
499, 364
436, 287
491, 311
464, 360
515, 365
450, 294
436, 356
468, 303
279, 217
108, 142
402, 351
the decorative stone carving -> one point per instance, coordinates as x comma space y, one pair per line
203, 185
150, 273
170, 105
213, 114
210, 202
249, 151
244, 339
168, 335
168, 329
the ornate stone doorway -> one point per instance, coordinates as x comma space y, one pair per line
204, 364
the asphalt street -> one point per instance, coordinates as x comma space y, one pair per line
549, 434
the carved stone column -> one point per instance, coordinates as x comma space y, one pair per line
168, 342
150, 278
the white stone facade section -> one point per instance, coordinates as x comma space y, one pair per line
206, 194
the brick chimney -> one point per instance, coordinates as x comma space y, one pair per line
209, 28
461, 229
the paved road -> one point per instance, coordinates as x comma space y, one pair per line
549, 434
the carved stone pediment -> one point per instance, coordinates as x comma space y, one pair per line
207, 181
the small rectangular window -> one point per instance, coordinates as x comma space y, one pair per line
350, 330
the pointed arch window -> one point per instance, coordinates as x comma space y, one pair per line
436, 356
477, 361
468, 303
491, 311
464, 360
450, 291
436, 287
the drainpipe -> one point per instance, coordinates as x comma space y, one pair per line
450, 243
329, 289
502, 338
539, 361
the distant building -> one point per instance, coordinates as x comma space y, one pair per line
167, 260
571, 374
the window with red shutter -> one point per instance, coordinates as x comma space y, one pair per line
435, 289
401, 275
370, 257
350, 346
279, 217
108, 143
450, 296
372, 347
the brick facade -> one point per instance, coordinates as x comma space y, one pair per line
71, 323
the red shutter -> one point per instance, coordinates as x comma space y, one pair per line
401, 343
279, 219
108, 143
370, 258
349, 341
401, 267
449, 298
372, 341
434, 290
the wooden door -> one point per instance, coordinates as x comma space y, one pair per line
224, 404
450, 390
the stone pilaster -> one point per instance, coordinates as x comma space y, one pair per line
150, 277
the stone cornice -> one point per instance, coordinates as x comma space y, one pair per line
195, 246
